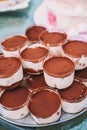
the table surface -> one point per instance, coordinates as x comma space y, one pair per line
16, 22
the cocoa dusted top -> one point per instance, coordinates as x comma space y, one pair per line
59, 66
44, 103
36, 81
53, 38
14, 43
75, 93
75, 48
81, 74
33, 32
15, 98
9, 66
34, 54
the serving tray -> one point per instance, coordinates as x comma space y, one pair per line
28, 121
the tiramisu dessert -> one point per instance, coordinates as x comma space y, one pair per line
58, 72
53, 40
33, 33
74, 98
32, 58
6, 3
14, 103
77, 52
81, 75
45, 106
11, 73
13, 45
36, 82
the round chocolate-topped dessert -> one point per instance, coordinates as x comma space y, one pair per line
14, 102
45, 106
74, 97
33, 33
10, 71
77, 52
11, 46
32, 58
53, 40
36, 82
60, 71
82, 75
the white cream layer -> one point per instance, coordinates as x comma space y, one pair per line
59, 83
18, 76
54, 117
30, 65
55, 50
74, 107
14, 114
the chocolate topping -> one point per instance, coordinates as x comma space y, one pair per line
59, 66
75, 48
75, 93
14, 43
53, 38
34, 32
36, 81
44, 103
9, 66
34, 54
15, 98
81, 74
